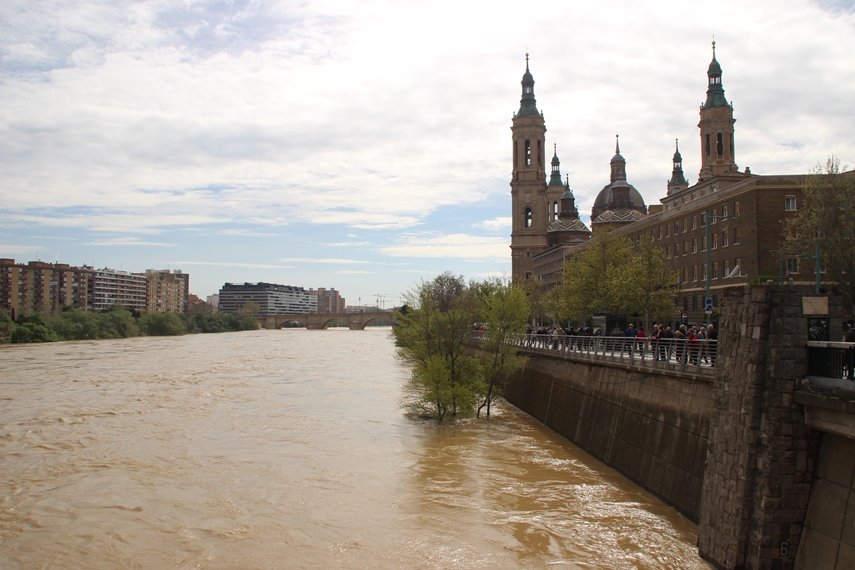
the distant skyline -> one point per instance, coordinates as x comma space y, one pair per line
366, 145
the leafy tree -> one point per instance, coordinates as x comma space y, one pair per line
826, 219
648, 283
505, 311
7, 326
594, 278
162, 324
431, 336
250, 308
33, 328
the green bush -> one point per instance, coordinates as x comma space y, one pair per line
162, 324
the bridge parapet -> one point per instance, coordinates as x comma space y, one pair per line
355, 321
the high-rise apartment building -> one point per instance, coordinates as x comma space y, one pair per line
44, 288
122, 287
330, 302
166, 291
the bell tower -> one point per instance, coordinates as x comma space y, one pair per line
717, 150
531, 211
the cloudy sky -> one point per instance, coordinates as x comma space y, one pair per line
364, 145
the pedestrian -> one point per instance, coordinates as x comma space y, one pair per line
712, 343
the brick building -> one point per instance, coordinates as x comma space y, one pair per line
166, 291
44, 288
742, 213
330, 302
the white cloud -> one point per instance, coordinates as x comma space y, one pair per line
230, 264
326, 260
128, 241
500, 223
460, 246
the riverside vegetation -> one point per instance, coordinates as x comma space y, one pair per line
115, 322
452, 376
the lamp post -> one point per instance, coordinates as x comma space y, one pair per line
708, 219
816, 258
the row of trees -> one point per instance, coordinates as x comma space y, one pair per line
610, 276
115, 322
451, 375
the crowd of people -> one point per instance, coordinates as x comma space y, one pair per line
692, 344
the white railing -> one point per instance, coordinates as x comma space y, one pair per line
680, 355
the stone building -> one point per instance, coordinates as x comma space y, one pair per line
742, 213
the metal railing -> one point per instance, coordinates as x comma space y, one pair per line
679, 355
831, 359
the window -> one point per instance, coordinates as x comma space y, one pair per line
528, 275
715, 270
790, 203
707, 144
724, 211
693, 196
694, 303
715, 241
726, 268
668, 252
738, 267
685, 225
735, 235
694, 222
668, 230
676, 228
660, 232
516, 153
685, 248
703, 219
528, 153
676, 250
685, 275
719, 144
528, 217
704, 271
694, 245
554, 209
713, 216
724, 241
694, 273
793, 265
539, 160
704, 243
736, 209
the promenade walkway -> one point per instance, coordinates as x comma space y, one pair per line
678, 355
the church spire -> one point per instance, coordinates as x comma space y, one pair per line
528, 104
678, 179
618, 163
555, 179
715, 90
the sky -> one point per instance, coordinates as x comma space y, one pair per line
366, 145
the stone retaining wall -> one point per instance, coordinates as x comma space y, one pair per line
650, 427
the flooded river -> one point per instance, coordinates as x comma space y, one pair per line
288, 449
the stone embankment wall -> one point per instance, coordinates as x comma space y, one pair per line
650, 427
737, 453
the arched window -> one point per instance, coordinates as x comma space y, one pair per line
528, 217
707, 144
732, 151
539, 160
554, 209
516, 154
528, 153
719, 144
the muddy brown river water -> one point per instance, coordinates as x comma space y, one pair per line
287, 449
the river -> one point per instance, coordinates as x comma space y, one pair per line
288, 449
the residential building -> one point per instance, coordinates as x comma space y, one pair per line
330, 302
272, 298
40, 287
122, 287
166, 291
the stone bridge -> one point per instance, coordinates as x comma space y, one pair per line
355, 321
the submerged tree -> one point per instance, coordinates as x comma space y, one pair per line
505, 310
431, 336
826, 219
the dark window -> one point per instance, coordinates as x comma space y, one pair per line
528, 153
719, 144
707, 144
528, 217
539, 161
516, 153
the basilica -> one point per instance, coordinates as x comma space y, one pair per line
745, 211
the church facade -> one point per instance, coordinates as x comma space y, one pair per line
742, 213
